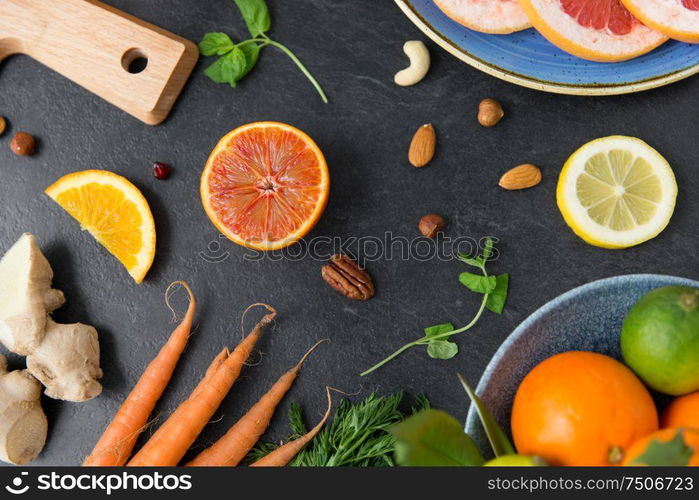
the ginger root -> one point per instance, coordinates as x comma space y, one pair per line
26, 296
68, 362
65, 358
23, 424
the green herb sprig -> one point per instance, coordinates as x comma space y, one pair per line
236, 60
357, 437
494, 291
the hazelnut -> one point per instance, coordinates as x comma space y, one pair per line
3, 125
22, 144
430, 225
489, 112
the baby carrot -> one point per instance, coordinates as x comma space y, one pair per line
286, 453
119, 438
239, 440
212, 369
171, 441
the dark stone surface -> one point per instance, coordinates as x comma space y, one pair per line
353, 48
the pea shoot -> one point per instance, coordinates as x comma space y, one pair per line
494, 291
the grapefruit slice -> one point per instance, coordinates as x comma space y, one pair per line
678, 19
487, 16
265, 185
597, 30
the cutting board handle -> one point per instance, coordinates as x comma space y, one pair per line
128, 62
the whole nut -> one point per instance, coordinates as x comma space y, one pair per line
422, 146
345, 276
3, 125
22, 144
489, 112
419, 64
521, 177
430, 225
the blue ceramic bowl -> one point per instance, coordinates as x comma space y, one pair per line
587, 318
528, 59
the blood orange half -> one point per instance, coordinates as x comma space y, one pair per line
678, 19
265, 185
597, 30
487, 16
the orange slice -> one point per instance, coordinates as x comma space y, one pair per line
597, 30
678, 19
265, 185
487, 16
112, 210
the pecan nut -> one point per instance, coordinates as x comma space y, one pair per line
345, 276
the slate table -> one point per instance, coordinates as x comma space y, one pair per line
354, 48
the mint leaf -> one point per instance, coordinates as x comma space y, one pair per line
478, 283
431, 331
442, 349
215, 44
498, 297
229, 68
256, 16
475, 262
433, 438
659, 453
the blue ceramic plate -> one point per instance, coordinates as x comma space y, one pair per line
527, 59
587, 318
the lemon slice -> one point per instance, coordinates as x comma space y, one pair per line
616, 192
112, 210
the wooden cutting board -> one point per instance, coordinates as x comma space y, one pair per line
130, 63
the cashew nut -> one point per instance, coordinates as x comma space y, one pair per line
419, 64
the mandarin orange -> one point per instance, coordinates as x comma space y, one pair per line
581, 408
687, 453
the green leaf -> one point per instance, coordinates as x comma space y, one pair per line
478, 283
434, 438
252, 54
496, 436
256, 16
497, 298
475, 262
488, 248
674, 452
442, 349
229, 68
431, 331
215, 44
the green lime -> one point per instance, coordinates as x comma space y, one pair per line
660, 339
515, 461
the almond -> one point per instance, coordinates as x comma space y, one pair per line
422, 146
521, 177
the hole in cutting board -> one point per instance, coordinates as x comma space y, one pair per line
134, 61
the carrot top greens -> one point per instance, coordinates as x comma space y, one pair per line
357, 437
